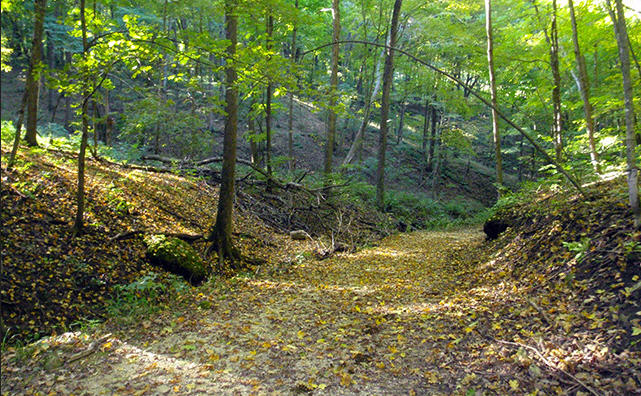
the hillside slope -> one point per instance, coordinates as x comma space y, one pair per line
427, 312
51, 281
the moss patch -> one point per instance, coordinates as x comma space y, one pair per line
176, 256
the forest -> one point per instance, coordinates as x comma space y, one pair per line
322, 197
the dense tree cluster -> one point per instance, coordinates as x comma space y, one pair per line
159, 75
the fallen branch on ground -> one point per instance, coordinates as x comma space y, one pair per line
179, 235
550, 364
93, 347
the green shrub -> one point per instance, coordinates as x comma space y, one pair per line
146, 295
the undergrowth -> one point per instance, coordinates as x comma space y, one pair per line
419, 211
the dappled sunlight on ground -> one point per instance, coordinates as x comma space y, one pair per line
419, 314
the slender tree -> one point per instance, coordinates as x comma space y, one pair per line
80, 189
388, 75
269, 21
426, 123
33, 77
290, 120
621, 33
583, 84
553, 42
16, 140
495, 117
333, 82
221, 233
372, 91
435, 120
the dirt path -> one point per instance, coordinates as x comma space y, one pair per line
398, 318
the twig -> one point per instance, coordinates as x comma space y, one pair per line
541, 312
549, 364
93, 347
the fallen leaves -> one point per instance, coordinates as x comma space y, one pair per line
421, 313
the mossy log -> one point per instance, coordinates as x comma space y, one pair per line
176, 256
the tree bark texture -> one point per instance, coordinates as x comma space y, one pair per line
221, 233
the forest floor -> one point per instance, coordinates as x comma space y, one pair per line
553, 306
418, 313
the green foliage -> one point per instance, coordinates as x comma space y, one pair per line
580, 248
8, 132
5, 54
152, 123
145, 296
115, 199
418, 210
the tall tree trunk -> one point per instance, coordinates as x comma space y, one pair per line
80, 191
268, 101
436, 172
221, 233
33, 77
333, 82
368, 97
51, 60
67, 116
620, 30
290, 120
520, 166
557, 129
426, 128
430, 155
94, 116
253, 146
583, 84
388, 75
399, 131
495, 117
553, 42
109, 121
